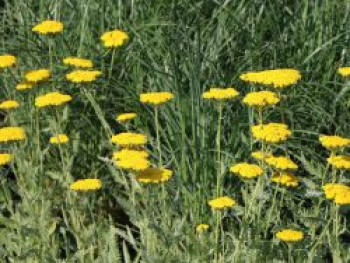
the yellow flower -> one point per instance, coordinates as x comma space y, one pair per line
334, 142
259, 155
261, 99
38, 75
24, 86
277, 78
344, 71
78, 62
11, 134
285, 179
114, 38
52, 99
127, 153
7, 61
271, 132
289, 235
156, 98
135, 163
220, 94
332, 190
79, 76
281, 163
86, 184
48, 27
247, 170
127, 139
9, 104
125, 117
342, 198
5, 158
59, 139
340, 161
222, 203
201, 228
154, 175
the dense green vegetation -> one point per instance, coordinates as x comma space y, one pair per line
184, 47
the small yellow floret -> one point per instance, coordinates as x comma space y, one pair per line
261, 99
156, 98
154, 175
220, 94
127, 139
59, 139
38, 75
86, 184
114, 38
48, 27
247, 170
334, 142
78, 62
125, 117
24, 86
9, 104
285, 179
344, 71
277, 78
5, 158
289, 235
52, 99
340, 161
12, 134
80, 76
271, 132
7, 61
222, 202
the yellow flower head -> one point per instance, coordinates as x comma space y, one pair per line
78, 62
135, 163
114, 38
277, 78
261, 99
220, 94
24, 86
222, 203
259, 155
48, 27
342, 198
59, 139
5, 158
125, 117
271, 132
247, 170
9, 104
7, 61
80, 76
289, 235
127, 139
127, 153
281, 163
334, 142
154, 175
156, 98
285, 179
332, 190
52, 99
340, 161
344, 71
86, 184
11, 134
38, 75
201, 228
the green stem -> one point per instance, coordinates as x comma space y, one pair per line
156, 120
217, 235
111, 65
50, 53
218, 151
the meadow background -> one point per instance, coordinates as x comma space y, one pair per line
184, 47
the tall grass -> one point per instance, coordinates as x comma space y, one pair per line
183, 47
